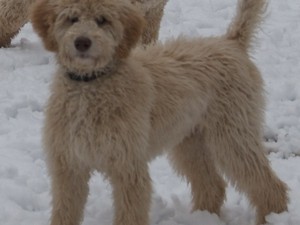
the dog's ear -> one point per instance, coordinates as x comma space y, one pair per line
42, 18
133, 23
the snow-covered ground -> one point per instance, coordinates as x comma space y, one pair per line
25, 74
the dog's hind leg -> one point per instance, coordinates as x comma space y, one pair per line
192, 160
238, 150
69, 191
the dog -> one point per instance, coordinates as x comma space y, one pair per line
114, 107
15, 13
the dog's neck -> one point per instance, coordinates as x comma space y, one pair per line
85, 77
93, 75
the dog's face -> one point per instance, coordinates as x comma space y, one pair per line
87, 34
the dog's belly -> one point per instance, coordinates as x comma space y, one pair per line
172, 126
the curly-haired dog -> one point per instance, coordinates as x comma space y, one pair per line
14, 14
113, 109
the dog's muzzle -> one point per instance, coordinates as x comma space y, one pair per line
82, 44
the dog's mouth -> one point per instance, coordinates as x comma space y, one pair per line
83, 55
83, 59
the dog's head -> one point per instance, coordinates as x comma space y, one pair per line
87, 34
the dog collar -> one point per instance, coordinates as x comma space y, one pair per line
87, 77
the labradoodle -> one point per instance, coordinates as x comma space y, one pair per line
114, 107
14, 14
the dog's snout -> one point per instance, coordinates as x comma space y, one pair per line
82, 44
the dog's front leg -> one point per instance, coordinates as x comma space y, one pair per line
69, 191
132, 193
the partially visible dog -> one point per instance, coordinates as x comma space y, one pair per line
113, 110
15, 13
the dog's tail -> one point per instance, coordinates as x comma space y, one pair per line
248, 16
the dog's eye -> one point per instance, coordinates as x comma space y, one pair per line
101, 21
73, 20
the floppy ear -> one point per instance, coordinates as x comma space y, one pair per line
43, 17
133, 23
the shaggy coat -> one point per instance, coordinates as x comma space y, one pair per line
114, 108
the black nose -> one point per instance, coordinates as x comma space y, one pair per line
82, 44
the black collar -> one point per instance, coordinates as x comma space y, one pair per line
87, 77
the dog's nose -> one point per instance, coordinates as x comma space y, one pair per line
82, 44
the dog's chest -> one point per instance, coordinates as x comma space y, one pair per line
85, 116
81, 128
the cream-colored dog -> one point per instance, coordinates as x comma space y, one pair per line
113, 110
15, 13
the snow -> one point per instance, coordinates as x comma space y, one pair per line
25, 74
